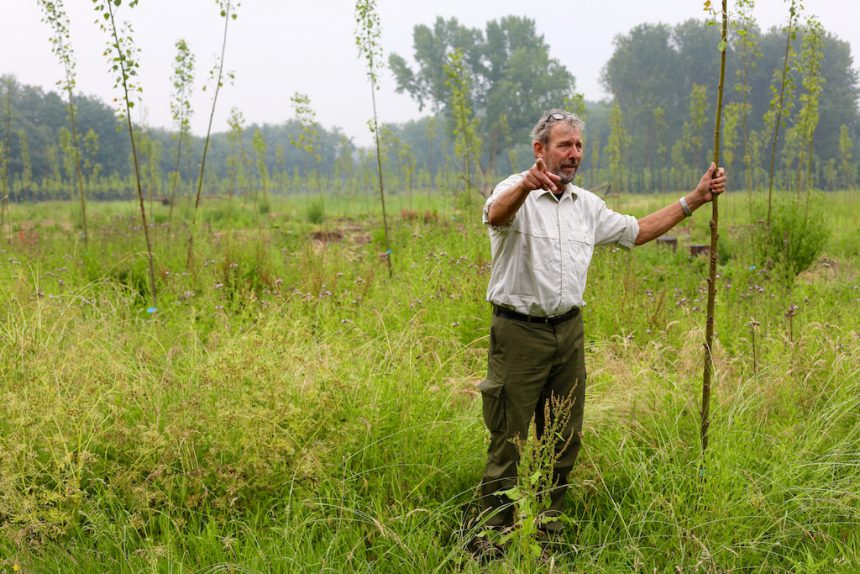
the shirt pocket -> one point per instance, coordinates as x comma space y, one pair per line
535, 268
579, 247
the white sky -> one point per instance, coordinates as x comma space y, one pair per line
278, 47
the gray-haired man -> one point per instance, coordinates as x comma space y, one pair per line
543, 230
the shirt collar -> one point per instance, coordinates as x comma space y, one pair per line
568, 191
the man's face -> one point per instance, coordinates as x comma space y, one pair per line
563, 151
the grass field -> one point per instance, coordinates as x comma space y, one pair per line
290, 408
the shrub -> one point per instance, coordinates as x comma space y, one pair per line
265, 206
316, 211
797, 234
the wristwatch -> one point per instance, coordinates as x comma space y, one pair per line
687, 211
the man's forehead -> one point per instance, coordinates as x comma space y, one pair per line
564, 131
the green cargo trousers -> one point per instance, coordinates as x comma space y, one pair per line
529, 362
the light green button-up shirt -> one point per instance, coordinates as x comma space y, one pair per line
541, 258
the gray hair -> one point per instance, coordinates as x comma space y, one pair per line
540, 133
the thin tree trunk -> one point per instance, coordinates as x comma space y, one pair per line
779, 114
381, 188
176, 179
79, 172
190, 257
712, 271
136, 168
4, 200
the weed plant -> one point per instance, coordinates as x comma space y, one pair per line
290, 408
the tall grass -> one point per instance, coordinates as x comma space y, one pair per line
289, 410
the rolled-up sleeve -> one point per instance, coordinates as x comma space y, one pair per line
614, 227
506, 184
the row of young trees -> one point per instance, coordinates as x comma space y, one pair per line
792, 103
651, 135
123, 59
298, 155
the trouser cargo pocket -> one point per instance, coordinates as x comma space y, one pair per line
492, 395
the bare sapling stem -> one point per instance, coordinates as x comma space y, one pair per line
367, 40
54, 13
79, 172
712, 269
5, 152
228, 12
174, 183
180, 107
381, 186
125, 67
792, 14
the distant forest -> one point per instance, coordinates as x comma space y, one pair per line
654, 134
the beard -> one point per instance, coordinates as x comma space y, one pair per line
566, 174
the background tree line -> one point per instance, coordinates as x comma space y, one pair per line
650, 135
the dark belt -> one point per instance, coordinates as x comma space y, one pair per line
508, 314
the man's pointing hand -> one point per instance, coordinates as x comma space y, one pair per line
538, 177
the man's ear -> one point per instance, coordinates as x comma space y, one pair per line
538, 149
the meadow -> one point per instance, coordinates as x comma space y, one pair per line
288, 407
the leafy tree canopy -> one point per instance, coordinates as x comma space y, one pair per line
513, 77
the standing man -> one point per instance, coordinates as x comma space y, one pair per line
543, 230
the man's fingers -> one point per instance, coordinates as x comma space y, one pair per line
547, 180
543, 179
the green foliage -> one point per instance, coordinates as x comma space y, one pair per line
694, 127
315, 211
260, 152
652, 62
616, 147
367, 32
236, 158
797, 236
122, 60
5, 152
531, 495
54, 13
731, 120
782, 97
812, 54
511, 73
180, 109
467, 145
288, 410
748, 53
307, 140
847, 167
228, 10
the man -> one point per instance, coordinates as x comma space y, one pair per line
543, 231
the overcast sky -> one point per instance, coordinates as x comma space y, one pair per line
277, 48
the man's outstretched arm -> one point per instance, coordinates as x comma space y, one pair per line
656, 224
